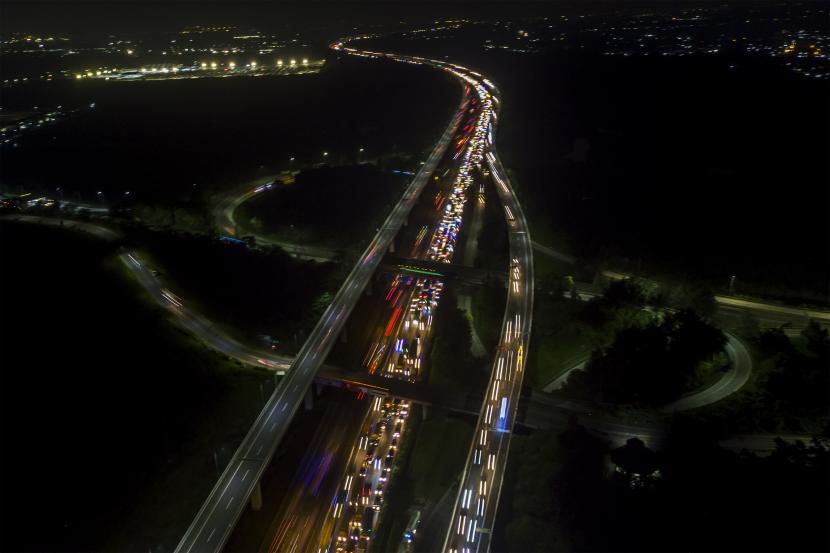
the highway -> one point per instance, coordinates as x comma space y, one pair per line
732, 381
213, 523
190, 320
476, 504
224, 214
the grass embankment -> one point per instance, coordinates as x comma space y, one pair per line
432, 460
333, 207
249, 293
118, 410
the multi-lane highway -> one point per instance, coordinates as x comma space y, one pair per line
474, 513
215, 520
475, 506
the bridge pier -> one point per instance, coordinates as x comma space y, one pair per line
308, 402
256, 497
368, 289
392, 246
344, 337
424, 411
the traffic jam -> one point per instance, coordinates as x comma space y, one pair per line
398, 345
360, 498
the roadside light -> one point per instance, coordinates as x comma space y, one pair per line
232, 64
204, 65
213, 65
78, 76
293, 62
279, 63
129, 52
361, 150
305, 61
253, 64
325, 154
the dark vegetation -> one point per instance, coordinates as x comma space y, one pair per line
452, 366
561, 495
648, 365
690, 169
639, 162
156, 139
335, 207
110, 414
249, 292
488, 304
788, 391
641, 353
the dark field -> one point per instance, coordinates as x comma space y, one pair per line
110, 415
693, 168
156, 139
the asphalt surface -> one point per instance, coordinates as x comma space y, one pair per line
224, 214
213, 523
475, 507
732, 381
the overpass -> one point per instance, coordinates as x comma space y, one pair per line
224, 505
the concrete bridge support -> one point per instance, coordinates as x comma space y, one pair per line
424, 411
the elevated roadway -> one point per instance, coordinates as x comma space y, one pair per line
213, 523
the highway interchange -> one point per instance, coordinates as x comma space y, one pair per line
397, 351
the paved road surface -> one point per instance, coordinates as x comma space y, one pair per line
224, 213
224, 505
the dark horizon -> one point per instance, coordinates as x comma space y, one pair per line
96, 18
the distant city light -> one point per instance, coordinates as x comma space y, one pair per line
279, 63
